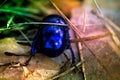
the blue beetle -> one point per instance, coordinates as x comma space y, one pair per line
52, 40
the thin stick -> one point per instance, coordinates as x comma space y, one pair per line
80, 54
90, 38
67, 71
78, 40
84, 21
114, 36
98, 7
42, 23
47, 23
117, 28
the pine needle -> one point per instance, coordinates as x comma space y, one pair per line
41, 23
84, 21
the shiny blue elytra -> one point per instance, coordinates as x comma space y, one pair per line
52, 40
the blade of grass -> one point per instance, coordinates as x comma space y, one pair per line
3, 29
22, 9
10, 21
21, 13
19, 26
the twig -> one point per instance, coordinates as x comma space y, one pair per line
41, 23
90, 38
77, 40
67, 71
117, 28
84, 21
114, 36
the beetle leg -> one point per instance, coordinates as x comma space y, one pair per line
72, 55
32, 50
27, 62
66, 57
32, 54
73, 59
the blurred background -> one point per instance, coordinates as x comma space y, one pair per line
110, 8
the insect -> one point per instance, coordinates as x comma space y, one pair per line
52, 40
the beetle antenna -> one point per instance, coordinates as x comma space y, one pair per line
72, 55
